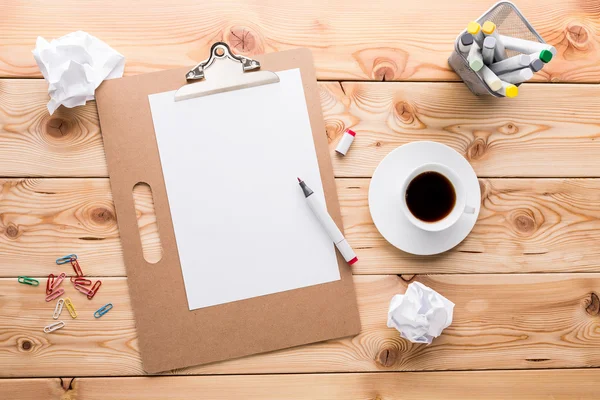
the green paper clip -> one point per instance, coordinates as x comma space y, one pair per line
103, 310
28, 281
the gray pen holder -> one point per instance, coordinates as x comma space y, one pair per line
509, 22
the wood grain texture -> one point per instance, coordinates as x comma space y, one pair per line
545, 132
68, 143
476, 385
500, 322
539, 225
525, 225
383, 39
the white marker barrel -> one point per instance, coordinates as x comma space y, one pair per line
518, 76
331, 228
475, 58
489, 30
487, 53
525, 46
511, 64
490, 78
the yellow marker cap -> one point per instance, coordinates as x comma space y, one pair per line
488, 27
512, 91
473, 28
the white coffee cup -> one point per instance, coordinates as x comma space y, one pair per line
460, 205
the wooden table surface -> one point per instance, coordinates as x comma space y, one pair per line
526, 282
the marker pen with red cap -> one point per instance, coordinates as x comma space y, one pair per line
326, 221
345, 142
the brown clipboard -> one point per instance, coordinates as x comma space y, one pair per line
170, 335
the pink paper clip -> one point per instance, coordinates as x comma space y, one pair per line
55, 294
84, 290
94, 289
58, 281
76, 267
81, 281
49, 284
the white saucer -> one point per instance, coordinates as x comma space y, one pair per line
385, 196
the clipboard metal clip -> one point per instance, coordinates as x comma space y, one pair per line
221, 73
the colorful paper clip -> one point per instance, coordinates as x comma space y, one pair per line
81, 281
94, 289
103, 310
49, 283
66, 259
28, 281
58, 281
58, 309
55, 294
54, 327
76, 267
83, 290
70, 308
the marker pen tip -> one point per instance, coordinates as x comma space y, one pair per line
299, 180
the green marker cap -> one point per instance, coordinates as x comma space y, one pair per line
545, 56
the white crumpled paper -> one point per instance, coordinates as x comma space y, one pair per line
420, 314
74, 66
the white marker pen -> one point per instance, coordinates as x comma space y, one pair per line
327, 223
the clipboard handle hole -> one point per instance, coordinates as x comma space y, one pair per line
219, 52
147, 223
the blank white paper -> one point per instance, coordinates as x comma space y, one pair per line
230, 163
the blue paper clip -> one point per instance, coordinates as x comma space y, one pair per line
103, 310
66, 259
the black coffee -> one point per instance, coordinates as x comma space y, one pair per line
430, 196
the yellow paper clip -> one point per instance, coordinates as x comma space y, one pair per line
70, 308
54, 327
58, 309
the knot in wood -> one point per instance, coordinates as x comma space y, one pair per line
477, 149
405, 112
524, 222
12, 231
58, 127
242, 39
577, 35
592, 304
102, 215
387, 357
384, 69
333, 129
26, 345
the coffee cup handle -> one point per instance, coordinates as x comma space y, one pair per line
469, 210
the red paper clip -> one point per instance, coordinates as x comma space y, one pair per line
49, 284
84, 290
81, 281
55, 294
76, 267
94, 289
58, 281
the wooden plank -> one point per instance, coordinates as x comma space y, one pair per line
68, 143
539, 225
490, 385
500, 322
391, 40
545, 132
525, 225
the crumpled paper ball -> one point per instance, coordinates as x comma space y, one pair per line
420, 314
74, 66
